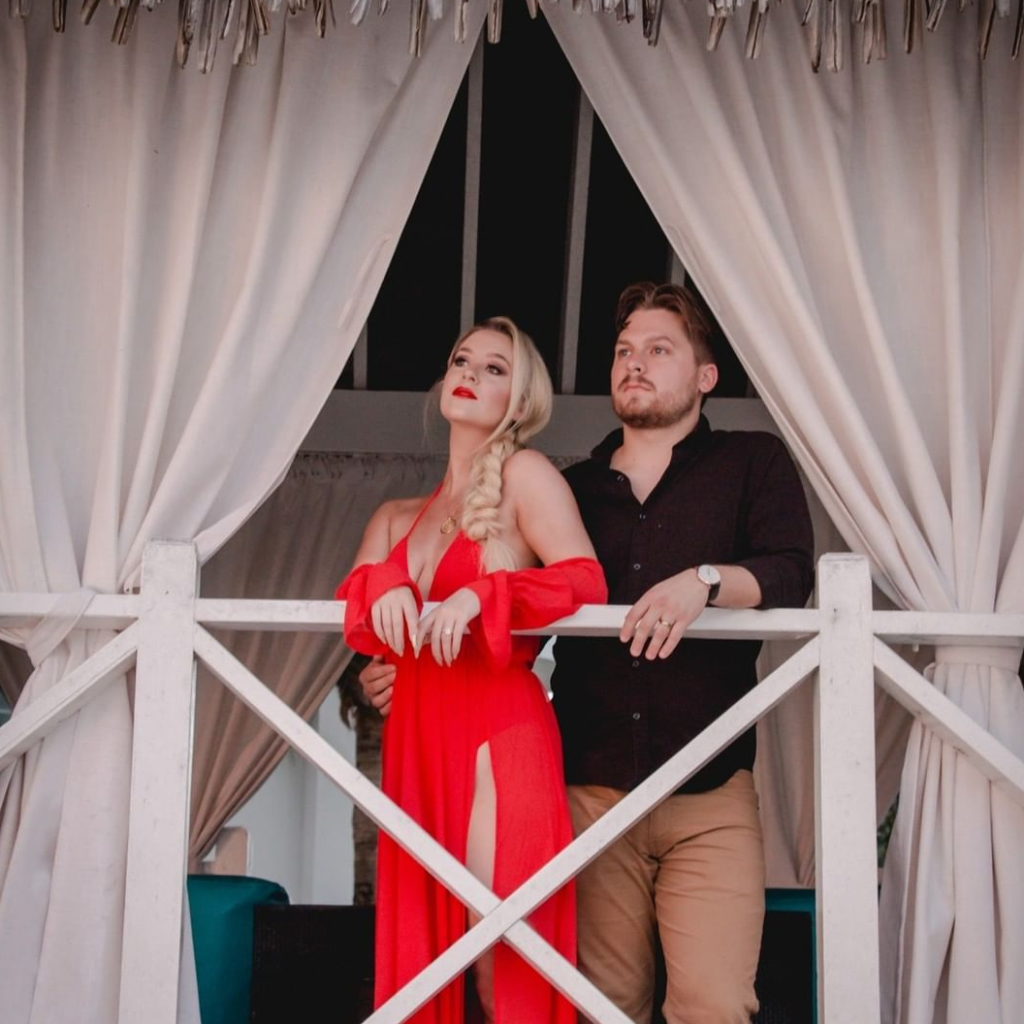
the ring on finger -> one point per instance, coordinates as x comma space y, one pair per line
663, 622
447, 631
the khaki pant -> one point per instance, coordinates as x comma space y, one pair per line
692, 874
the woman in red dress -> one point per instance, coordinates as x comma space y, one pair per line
471, 748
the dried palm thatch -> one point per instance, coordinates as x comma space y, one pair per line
205, 23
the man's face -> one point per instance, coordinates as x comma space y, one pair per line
656, 380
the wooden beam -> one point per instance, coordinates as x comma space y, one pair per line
105, 611
471, 203
572, 295
591, 620
37, 720
160, 784
845, 845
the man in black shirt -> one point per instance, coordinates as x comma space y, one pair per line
681, 517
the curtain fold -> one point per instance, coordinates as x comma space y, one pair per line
784, 768
186, 262
860, 237
298, 546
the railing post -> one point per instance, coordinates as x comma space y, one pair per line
161, 776
845, 848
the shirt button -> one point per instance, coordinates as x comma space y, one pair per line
636, 663
621, 479
643, 515
636, 565
636, 716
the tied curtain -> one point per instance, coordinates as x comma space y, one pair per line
185, 263
860, 237
297, 546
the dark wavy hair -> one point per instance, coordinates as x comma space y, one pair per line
676, 299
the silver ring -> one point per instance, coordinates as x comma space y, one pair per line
447, 631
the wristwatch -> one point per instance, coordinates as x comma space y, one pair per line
711, 578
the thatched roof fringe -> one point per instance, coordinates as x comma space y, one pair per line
206, 22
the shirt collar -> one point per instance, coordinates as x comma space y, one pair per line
694, 442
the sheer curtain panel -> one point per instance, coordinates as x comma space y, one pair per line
185, 263
860, 236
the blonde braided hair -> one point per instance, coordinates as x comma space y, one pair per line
529, 409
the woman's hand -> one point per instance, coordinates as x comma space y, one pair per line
445, 626
392, 615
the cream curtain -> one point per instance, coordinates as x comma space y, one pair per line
784, 769
185, 262
298, 546
860, 236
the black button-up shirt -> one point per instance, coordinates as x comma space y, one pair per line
727, 498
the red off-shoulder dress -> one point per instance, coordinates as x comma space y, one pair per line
439, 718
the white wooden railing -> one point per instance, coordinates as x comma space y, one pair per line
166, 627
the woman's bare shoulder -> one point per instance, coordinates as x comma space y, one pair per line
546, 513
404, 506
398, 513
529, 468
386, 527
532, 482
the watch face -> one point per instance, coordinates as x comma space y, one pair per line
709, 575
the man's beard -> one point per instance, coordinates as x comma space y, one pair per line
664, 411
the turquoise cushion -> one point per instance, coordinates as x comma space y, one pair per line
221, 910
800, 901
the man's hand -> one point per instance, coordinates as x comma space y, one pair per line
661, 617
378, 680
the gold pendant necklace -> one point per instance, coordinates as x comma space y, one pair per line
451, 522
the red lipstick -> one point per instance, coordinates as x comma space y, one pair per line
461, 392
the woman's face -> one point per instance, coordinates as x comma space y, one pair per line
477, 387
